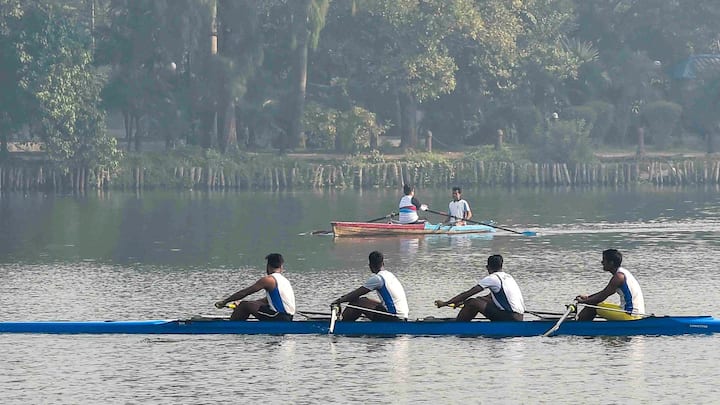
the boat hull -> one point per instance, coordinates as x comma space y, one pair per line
648, 326
357, 229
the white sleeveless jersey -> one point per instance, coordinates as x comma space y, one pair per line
408, 212
505, 292
631, 296
282, 298
390, 292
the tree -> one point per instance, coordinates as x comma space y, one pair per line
56, 86
12, 52
307, 20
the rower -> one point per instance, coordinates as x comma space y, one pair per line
279, 301
504, 303
458, 209
632, 303
409, 205
393, 302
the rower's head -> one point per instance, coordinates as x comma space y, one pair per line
275, 263
494, 263
611, 260
408, 189
456, 193
376, 261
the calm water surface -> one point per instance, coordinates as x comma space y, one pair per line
171, 255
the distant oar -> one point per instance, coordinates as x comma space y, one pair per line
388, 216
526, 233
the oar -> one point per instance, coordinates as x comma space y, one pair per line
570, 308
373, 311
526, 233
315, 313
388, 216
313, 316
334, 312
539, 314
544, 314
306, 314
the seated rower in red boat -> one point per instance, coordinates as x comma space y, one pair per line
409, 205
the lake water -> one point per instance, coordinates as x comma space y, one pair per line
171, 255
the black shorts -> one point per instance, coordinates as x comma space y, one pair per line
493, 313
265, 313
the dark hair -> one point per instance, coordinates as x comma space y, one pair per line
408, 188
612, 256
458, 189
495, 262
376, 260
275, 260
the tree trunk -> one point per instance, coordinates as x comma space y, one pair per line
409, 138
137, 133
251, 138
241, 129
710, 140
92, 25
302, 36
211, 137
127, 120
207, 128
230, 141
398, 129
640, 141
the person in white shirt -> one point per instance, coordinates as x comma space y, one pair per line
409, 205
393, 304
458, 209
504, 303
279, 301
632, 302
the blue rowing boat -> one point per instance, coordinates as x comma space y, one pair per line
654, 325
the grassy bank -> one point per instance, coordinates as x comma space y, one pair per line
192, 168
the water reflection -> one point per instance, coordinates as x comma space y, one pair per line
168, 255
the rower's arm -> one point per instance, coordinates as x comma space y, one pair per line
351, 296
460, 297
265, 283
616, 281
468, 213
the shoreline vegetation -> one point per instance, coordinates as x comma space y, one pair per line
195, 169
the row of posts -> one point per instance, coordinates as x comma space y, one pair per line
390, 174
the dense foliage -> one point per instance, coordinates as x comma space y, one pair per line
557, 77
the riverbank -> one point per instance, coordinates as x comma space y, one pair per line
196, 169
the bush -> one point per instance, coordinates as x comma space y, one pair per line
320, 126
488, 153
526, 120
604, 117
563, 141
584, 113
355, 128
661, 117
